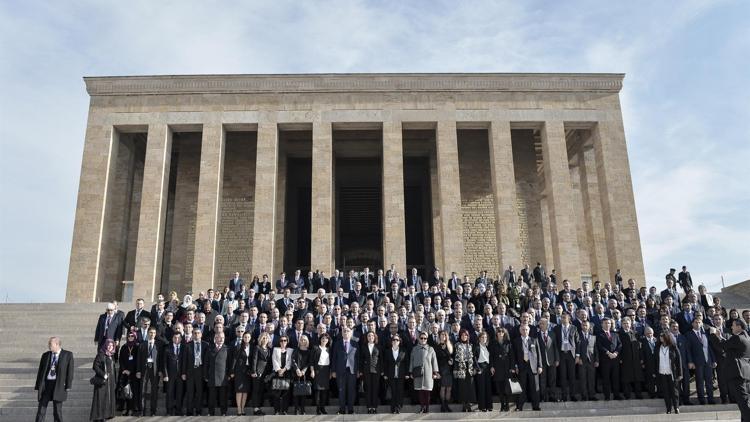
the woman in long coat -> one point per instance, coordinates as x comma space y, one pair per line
301, 370
463, 368
444, 352
631, 373
500, 358
260, 370
128, 358
423, 357
103, 402
669, 379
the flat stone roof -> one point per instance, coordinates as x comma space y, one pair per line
353, 82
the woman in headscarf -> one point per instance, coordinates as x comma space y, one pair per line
187, 301
128, 358
103, 401
463, 369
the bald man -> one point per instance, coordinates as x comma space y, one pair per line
54, 379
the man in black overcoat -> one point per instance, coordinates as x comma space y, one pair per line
54, 379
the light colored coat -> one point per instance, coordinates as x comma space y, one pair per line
425, 356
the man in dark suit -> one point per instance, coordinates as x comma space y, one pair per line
670, 291
170, 367
357, 295
414, 279
685, 280
550, 359
588, 362
566, 337
737, 349
344, 360
236, 283
685, 318
610, 347
528, 366
108, 327
133, 317
286, 302
149, 355
54, 379
192, 372
700, 357
320, 282
539, 274
218, 366
335, 282
366, 278
350, 282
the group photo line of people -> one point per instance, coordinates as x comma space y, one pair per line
371, 339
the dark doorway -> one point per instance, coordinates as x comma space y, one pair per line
418, 215
298, 217
359, 216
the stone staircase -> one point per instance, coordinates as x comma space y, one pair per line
25, 328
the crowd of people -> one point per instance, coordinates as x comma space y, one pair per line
383, 338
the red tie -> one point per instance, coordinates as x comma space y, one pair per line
609, 336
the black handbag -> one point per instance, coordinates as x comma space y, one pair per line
302, 388
417, 371
125, 392
97, 381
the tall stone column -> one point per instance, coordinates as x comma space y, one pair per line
97, 171
504, 190
450, 197
148, 255
592, 209
618, 203
560, 198
266, 176
322, 247
394, 224
209, 206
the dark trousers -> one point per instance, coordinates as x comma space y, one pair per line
528, 382
649, 383
150, 386
587, 379
548, 383
321, 398
739, 390
610, 376
502, 388
282, 400
194, 391
704, 382
685, 387
260, 389
484, 389
214, 394
670, 390
397, 393
372, 389
347, 384
722, 380
41, 411
567, 374
174, 395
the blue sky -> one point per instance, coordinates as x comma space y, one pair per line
686, 101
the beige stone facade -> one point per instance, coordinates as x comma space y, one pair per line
186, 179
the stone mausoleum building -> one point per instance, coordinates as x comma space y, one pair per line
186, 179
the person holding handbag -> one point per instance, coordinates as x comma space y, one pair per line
260, 371
463, 370
128, 359
395, 370
423, 367
500, 359
370, 363
320, 363
301, 369
282, 365
103, 401
669, 368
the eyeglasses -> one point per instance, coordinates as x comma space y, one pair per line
423, 338
396, 339
282, 341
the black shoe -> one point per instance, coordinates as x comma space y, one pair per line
351, 411
712, 402
341, 412
318, 412
323, 410
258, 412
593, 398
677, 410
669, 412
573, 398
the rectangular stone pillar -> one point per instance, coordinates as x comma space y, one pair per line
266, 176
148, 255
278, 262
322, 231
504, 189
592, 208
97, 171
449, 186
437, 225
209, 207
394, 224
618, 203
560, 198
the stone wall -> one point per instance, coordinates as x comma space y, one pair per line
528, 191
235, 239
179, 247
477, 203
